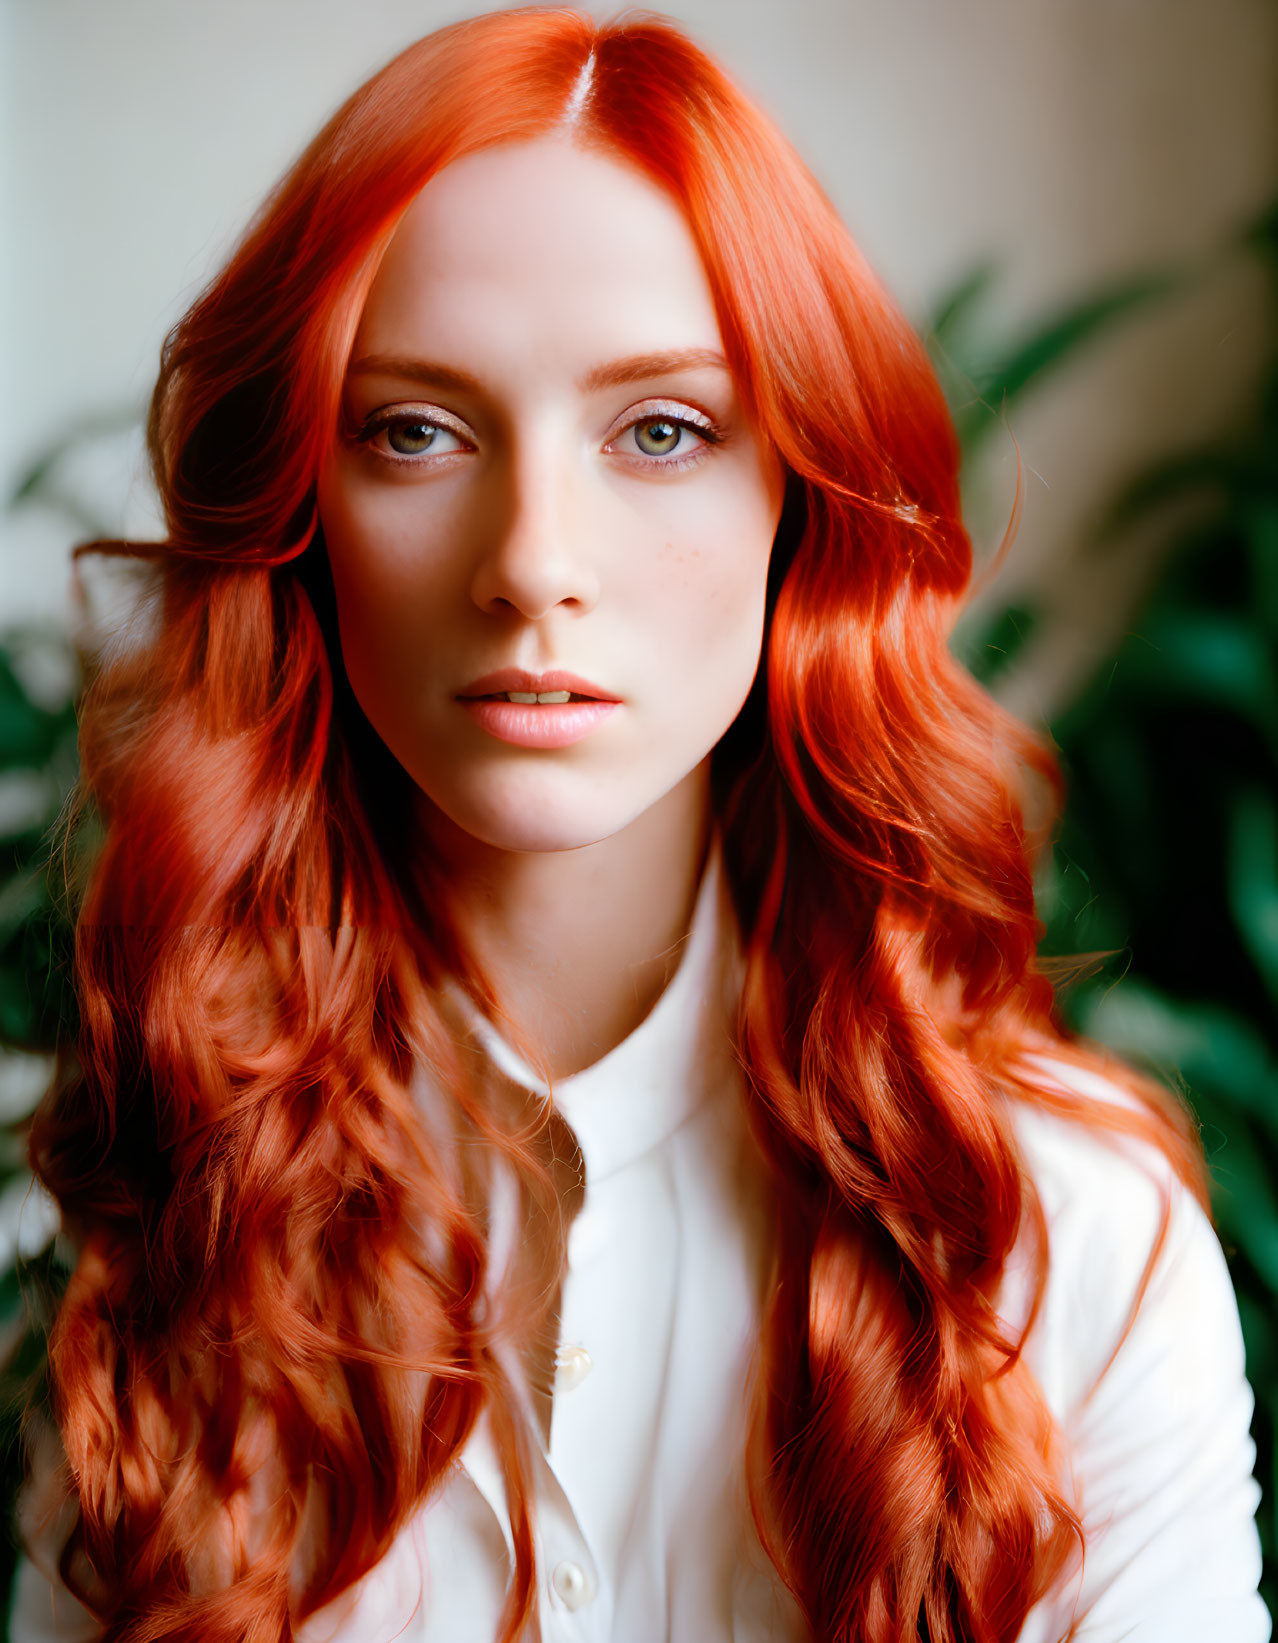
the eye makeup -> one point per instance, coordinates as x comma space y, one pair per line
419, 429
429, 421
670, 414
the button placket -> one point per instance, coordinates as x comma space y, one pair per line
570, 1584
579, 1318
572, 1602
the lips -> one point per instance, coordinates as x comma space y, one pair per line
520, 679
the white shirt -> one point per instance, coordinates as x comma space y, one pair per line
643, 1532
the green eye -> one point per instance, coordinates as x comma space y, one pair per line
657, 437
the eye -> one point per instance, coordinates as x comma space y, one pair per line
399, 436
414, 436
665, 438
411, 438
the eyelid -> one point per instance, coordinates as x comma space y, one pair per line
363, 430
675, 410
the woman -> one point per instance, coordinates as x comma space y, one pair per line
566, 1104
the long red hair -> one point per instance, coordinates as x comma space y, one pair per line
272, 1349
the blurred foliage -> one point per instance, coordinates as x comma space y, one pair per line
982, 380
37, 770
1166, 862
1167, 859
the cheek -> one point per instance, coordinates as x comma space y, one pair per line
385, 575
710, 585
371, 542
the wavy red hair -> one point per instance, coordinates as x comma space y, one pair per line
272, 1347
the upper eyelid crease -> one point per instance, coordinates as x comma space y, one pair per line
435, 415
656, 409
649, 410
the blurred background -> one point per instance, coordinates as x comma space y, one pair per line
1076, 201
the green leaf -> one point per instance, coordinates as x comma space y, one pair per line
28, 734
37, 479
1260, 533
988, 645
1253, 879
1246, 1205
1215, 474
1220, 658
954, 311
1215, 1049
999, 381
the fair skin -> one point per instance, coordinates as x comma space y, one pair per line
545, 463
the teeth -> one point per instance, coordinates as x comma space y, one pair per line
527, 696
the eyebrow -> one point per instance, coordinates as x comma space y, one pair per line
634, 368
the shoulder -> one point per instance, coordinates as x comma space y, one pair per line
1131, 1254
1139, 1354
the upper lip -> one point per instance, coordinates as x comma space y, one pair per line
518, 678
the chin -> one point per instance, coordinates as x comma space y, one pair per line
542, 837
530, 823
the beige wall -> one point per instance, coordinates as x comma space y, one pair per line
1072, 140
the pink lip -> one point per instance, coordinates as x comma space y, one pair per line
518, 678
539, 724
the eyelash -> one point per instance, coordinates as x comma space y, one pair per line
708, 432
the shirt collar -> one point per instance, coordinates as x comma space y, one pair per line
640, 1092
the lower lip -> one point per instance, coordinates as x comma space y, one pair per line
550, 724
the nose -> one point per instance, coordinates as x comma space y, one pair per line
536, 555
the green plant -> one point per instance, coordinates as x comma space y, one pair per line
1167, 856
37, 770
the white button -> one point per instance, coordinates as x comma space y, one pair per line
572, 1365
569, 1581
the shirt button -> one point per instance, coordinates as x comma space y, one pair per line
569, 1581
573, 1365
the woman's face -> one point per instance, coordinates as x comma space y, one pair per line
545, 468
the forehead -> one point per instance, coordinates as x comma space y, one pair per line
541, 247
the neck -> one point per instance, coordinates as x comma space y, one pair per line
579, 944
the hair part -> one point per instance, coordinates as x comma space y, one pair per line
582, 87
